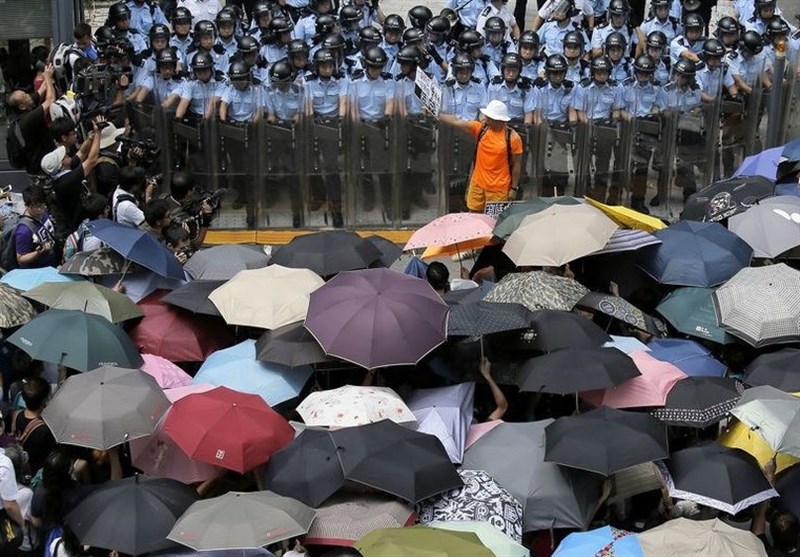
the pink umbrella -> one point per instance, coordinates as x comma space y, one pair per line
451, 229
167, 374
177, 393
476, 431
648, 389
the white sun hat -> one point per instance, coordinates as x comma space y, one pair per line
496, 110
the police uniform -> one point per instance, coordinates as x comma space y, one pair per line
712, 82
136, 39
306, 28
553, 105
621, 70
578, 71
468, 11
551, 35
273, 52
200, 93
671, 27
230, 46
680, 44
530, 69
689, 140
242, 105
496, 53
464, 100
182, 45
663, 71
642, 101
502, 12
602, 31
145, 15
517, 97
162, 88
218, 54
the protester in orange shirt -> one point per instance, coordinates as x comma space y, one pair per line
498, 159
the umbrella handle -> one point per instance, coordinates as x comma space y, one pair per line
125, 270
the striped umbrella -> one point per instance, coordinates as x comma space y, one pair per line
628, 240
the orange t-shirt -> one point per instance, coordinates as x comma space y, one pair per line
491, 170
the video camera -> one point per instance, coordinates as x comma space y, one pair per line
150, 151
99, 78
194, 208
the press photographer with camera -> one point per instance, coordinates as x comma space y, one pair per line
176, 238
186, 207
134, 189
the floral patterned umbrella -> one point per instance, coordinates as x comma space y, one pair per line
454, 228
538, 290
352, 406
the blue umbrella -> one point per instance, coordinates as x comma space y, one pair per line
763, 164
138, 246
416, 268
688, 356
695, 254
237, 368
791, 151
28, 279
140, 285
602, 541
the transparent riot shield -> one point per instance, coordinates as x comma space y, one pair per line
661, 205
194, 142
142, 119
525, 179
712, 129
552, 150
417, 171
603, 146
732, 135
790, 129
456, 151
281, 193
324, 142
756, 118
238, 171
583, 156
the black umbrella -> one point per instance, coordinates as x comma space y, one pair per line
131, 516
624, 311
327, 253
557, 330
193, 296
574, 370
390, 252
465, 296
382, 455
606, 440
721, 477
726, 198
699, 401
779, 369
291, 345
483, 318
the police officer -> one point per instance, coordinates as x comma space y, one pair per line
262, 15
513, 90
306, 26
437, 46
556, 29
182, 26
247, 50
159, 40
763, 14
393, 27
345, 65
618, 21
529, 52
324, 26
166, 84
298, 58
471, 42
145, 14
467, 12
778, 32
660, 21
713, 76
277, 42
574, 51
728, 32
497, 45
419, 16
615, 48
199, 95
119, 19
370, 12
226, 27
656, 48
240, 98
747, 64
204, 38
690, 44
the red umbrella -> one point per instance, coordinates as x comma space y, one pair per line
175, 334
227, 428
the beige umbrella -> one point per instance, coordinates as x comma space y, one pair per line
699, 538
558, 235
268, 298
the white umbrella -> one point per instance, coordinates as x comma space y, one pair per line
445, 413
352, 406
774, 414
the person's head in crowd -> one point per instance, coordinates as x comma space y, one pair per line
438, 277
157, 214
82, 35
21, 102
132, 179
35, 200
181, 185
56, 479
64, 132
35, 392
95, 206
177, 238
56, 161
785, 532
19, 458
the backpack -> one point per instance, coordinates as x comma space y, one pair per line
60, 56
484, 129
122, 198
8, 245
32, 426
15, 145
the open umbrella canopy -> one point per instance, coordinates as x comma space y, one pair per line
699, 401
537, 290
421, 540
223, 262
291, 345
282, 296
327, 253
779, 369
605, 440
490, 536
14, 309
377, 318
788, 486
150, 507
241, 521
76, 339
451, 229
681, 537
622, 310
625, 216
193, 296
483, 318
695, 254
761, 305
97, 263
763, 164
559, 330
445, 412
140, 285
558, 235
86, 296
606, 540
105, 407
390, 252
691, 311
770, 228
726, 198
690, 357
512, 217
628, 240
741, 436
774, 415
352, 406
28, 279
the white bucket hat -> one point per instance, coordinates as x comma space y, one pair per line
496, 110
109, 135
51, 162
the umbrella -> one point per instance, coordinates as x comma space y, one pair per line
558, 330
761, 305
237, 431
648, 389
140, 285
450, 229
718, 477
175, 334
625, 344
466, 296
223, 262
537, 290
282, 296
88, 297
695, 254
238, 520
481, 499
352, 406
779, 369
699, 401
606, 540
763, 164
774, 415
459, 249
76, 340
382, 455
166, 374
605, 440
237, 368
445, 412
691, 312
390, 252
726, 198
291, 345
344, 519
478, 430
483, 318
700, 538
739, 435
416, 267
327, 253
622, 310
628, 240
770, 228
193, 296
788, 486
552, 496
96, 263
513, 216
150, 507
690, 357
627, 217
377, 318
28, 279
558, 235
138, 246
14, 309
105, 407
574, 370
492, 537
421, 540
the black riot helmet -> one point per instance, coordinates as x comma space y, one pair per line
618, 7
686, 67
511, 60
118, 11
204, 27
226, 16
166, 59
239, 71
297, 47
247, 45
261, 9
334, 41
103, 37
495, 24
693, 21
555, 63
202, 61
419, 16
369, 37
412, 36
375, 57
727, 24
644, 64
529, 39
600, 64
351, 16
777, 27
574, 38
323, 56
713, 48
438, 25
409, 54
324, 25
616, 39
280, 72
181, 15
280, 25
657, 39
660, 3
463, 61
470, 39
159, 31
394, 22
752, 42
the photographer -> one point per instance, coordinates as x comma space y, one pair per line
33, 237
182, 201
177, 240
156, 218
132, 186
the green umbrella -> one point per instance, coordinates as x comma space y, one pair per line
14, 309
491, 536
691, 311
421, 540
512, 217
88, 297
77, 340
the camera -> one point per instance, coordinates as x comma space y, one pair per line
194, 208
149, 149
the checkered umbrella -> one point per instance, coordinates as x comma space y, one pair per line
345, 518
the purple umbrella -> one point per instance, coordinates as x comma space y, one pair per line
763, 164
446, 413
377, 318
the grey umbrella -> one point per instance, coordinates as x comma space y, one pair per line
193, 296
223, 262
552, 496
291, 345
769, 227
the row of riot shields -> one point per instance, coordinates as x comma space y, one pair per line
390, 172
